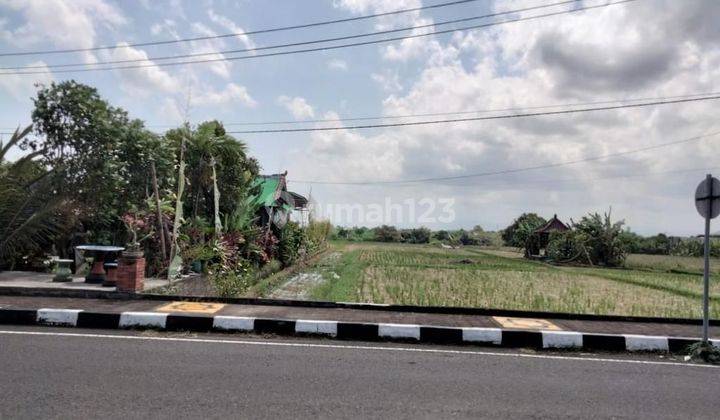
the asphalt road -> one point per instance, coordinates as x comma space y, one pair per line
140, 375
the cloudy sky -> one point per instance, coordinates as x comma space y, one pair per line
641, 49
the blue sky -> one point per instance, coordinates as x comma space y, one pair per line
648, 48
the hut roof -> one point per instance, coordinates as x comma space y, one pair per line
553, 225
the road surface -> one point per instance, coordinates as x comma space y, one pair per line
63, 373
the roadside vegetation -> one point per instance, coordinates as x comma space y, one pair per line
90, 174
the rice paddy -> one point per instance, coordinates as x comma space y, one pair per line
476, 277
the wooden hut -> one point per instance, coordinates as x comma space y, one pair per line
542, 235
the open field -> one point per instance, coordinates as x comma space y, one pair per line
475, 277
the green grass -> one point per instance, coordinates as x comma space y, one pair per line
342, 276
474, 277
671, 263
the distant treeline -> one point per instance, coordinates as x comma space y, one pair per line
422, 235
662, 244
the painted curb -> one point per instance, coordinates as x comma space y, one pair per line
347, 330
448, 310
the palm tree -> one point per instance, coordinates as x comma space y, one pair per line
213, 157
31, 212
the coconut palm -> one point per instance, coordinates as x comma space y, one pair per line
31, 213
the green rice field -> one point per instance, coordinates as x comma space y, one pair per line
477, 277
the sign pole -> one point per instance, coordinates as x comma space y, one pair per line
706, 271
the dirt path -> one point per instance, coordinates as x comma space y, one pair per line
299, 286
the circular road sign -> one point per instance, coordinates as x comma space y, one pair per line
707, 198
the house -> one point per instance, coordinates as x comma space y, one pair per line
275, 202
542, 235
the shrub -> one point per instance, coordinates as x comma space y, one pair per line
601, 239
292, 242
564, 247
269, 269
416, 236
521, 230
318, 232
229, 273
229, 283
387, 233
442, 235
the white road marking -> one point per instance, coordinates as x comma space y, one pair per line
351, 347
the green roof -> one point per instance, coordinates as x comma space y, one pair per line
268, 188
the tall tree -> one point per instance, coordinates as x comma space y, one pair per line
233, 170
104, 156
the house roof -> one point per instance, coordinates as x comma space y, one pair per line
270, 187
273, 193
553, 225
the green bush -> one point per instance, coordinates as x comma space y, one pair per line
564, 247
291, 246
441, 235
387, 233
269, 269
318, 232
521, 230
230, 283
416, 236
601, 240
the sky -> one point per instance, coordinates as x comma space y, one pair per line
640, 49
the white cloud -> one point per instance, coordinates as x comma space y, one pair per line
337, 64
563, 59
74, 23
388, 80
232, 27
232, 93
143, 81
406, 49
168, 26
211, 47
22, 86
298, 107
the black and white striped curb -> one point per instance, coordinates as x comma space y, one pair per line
348, 330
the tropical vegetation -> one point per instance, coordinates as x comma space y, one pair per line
88, 173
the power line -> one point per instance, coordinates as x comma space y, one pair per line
571, 180
660, 100
325, 48
479, 111
515, 170
230, 35
294, 44
601, 178
455, 120
434, 114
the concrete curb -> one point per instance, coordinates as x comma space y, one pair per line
448, 310
347, 330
